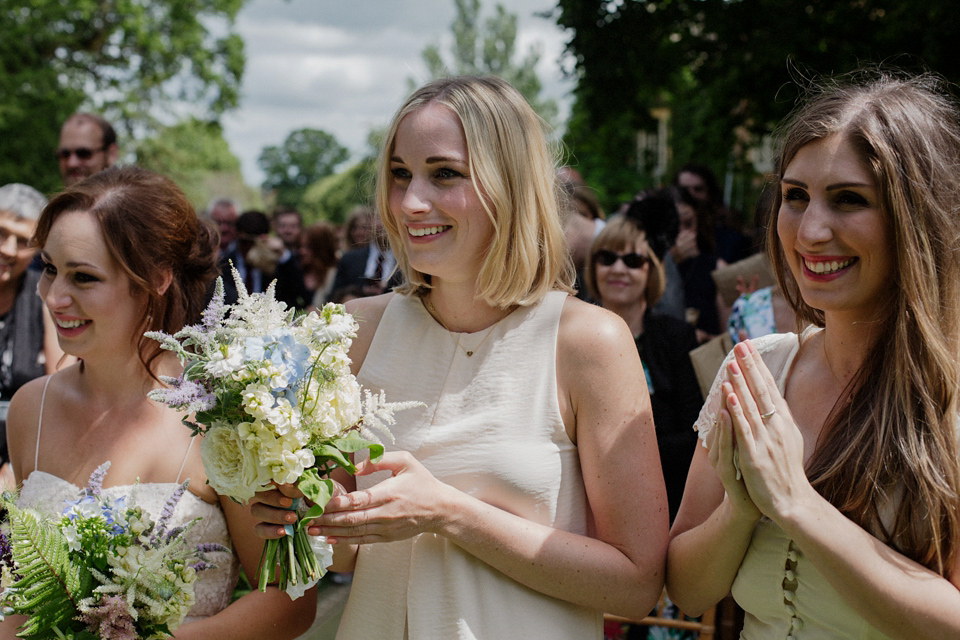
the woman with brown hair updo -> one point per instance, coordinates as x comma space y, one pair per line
123, 253
828, 498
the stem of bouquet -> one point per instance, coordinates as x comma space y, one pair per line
291, 560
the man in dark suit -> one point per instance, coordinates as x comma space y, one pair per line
369, 270
260, 258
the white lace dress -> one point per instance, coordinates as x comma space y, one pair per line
46, 493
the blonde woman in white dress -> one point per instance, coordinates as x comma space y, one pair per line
525, 497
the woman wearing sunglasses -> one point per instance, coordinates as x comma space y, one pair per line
626, 277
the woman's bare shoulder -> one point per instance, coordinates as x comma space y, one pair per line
586, 329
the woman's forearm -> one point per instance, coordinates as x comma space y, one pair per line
703, 561
578, 569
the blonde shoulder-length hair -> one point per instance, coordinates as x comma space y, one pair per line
512, 167
889, 447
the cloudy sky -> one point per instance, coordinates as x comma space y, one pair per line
342, 66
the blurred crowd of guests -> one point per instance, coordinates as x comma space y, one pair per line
310, 265
671, 262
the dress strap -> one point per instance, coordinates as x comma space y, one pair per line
43, 398
185, 456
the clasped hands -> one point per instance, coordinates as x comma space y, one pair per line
754, 424
402, 506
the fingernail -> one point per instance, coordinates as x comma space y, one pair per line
290, 517
734, 368
286, 502
742, 349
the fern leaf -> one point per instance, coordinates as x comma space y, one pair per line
49, 585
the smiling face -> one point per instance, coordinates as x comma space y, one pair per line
15, 250
836, 240
88, 293
445, 230
621, 286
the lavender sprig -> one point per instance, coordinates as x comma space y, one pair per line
95, 486
168, 507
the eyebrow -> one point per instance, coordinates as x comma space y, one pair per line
830, 187
73, 264
432, 159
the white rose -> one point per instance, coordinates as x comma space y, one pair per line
231, 468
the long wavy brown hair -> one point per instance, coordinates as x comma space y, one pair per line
888, 455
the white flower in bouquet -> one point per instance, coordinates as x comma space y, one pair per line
232, 469
275, 399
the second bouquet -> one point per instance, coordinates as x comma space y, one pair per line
273, 396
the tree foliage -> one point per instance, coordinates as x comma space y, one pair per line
729, 70
489, 48
124, 58
306, 156
333, 197
195, 155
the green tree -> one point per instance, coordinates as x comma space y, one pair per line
333, 197
306, 156
194, 154
489, 48
124, 58
729, 70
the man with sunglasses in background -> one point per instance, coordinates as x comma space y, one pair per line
88, 145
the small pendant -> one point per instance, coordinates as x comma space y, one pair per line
469, 353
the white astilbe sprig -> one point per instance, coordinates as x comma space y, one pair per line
254, 311
378, 415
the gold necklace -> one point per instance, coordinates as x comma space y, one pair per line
456, 338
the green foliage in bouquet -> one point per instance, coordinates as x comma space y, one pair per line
101, 569
50, 586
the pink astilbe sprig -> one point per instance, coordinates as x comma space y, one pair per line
111, 619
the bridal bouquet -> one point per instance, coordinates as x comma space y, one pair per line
102, 569
273, 395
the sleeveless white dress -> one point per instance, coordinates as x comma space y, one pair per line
214, 587
491, 428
